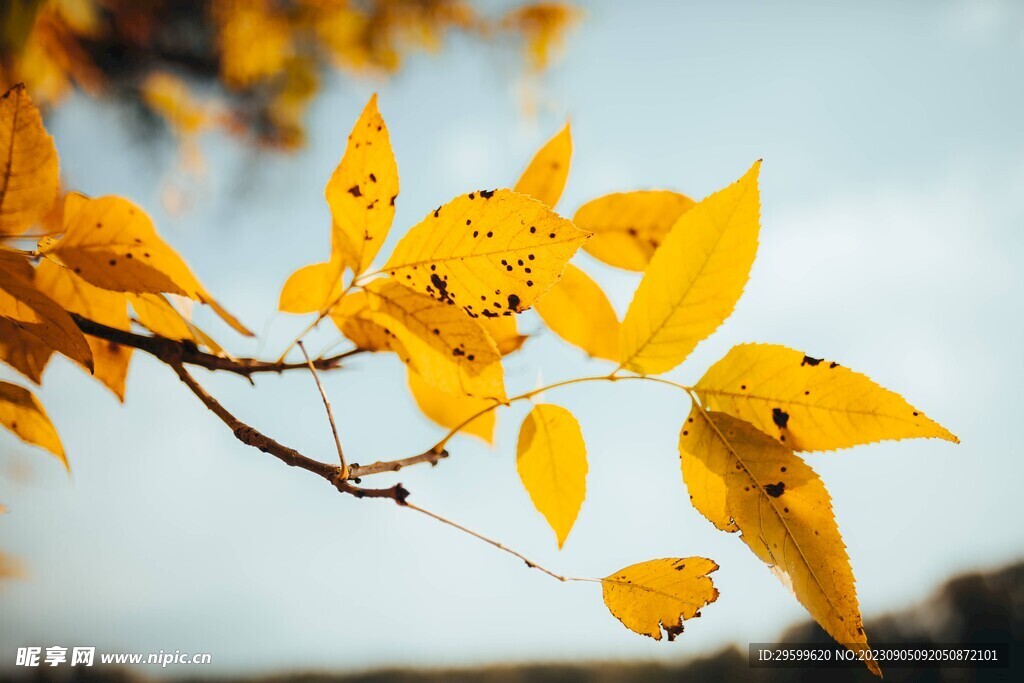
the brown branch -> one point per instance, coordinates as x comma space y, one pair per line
173, 351
253, 437
433, 457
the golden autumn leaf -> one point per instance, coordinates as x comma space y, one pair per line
491, 252
158, 315
448, 349
354, 319
311, 288
629, 227
451, 411
504, 330
38, 317
29, 177
694, 280
110, 360
362, 191
808, 403
22, 351
577, 310
551, 458
658, 595
23, 414
113, 244
255, 42
741, 478
544, 179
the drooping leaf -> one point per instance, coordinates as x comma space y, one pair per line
628, 227
448, 349
39, 317
658, 595
158, 315
694, 280
505, 333
110, 360
810, 404
362, 191
29, 176
312, 288
23, 351
491, 252
544, 179
740, 478
577, 310
113, 244
354, 319
452, 410
551, 458
23, 414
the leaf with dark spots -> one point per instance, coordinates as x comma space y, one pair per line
775, 490
355, 191
487, 194
513, 303
810, 361
780, 417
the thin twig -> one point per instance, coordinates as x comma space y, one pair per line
529, 563
173, 351
327, 406
253, 437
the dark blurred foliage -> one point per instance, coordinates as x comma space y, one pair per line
974, 609
258, 63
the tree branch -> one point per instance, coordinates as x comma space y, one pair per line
173, 351
289, 456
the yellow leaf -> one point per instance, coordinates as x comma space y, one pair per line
452, 410
311, 288
161, 317
629, 226
579, 312
448, 349
749, 481
22, 351
354, 319
658, 595
21, 413
551, 458
362, 191
544, 179
110, 360
694, 280
39, 317
255, 43
808, 403
505, 333
29, 178
113, 244
169, 96
491, 252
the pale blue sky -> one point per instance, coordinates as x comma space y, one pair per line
891, 231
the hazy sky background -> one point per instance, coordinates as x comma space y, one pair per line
891, 240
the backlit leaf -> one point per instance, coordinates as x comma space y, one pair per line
504, 331
551, 458
311, 288
362, 191
544, 179
808, 403
22, 351
113, 244
694, 280
658, 595
110, 360
23, 414
740, 478
39, 317
577, 310
452, 410
491, 252
354, 319
448, 349
629, 226
29, 177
